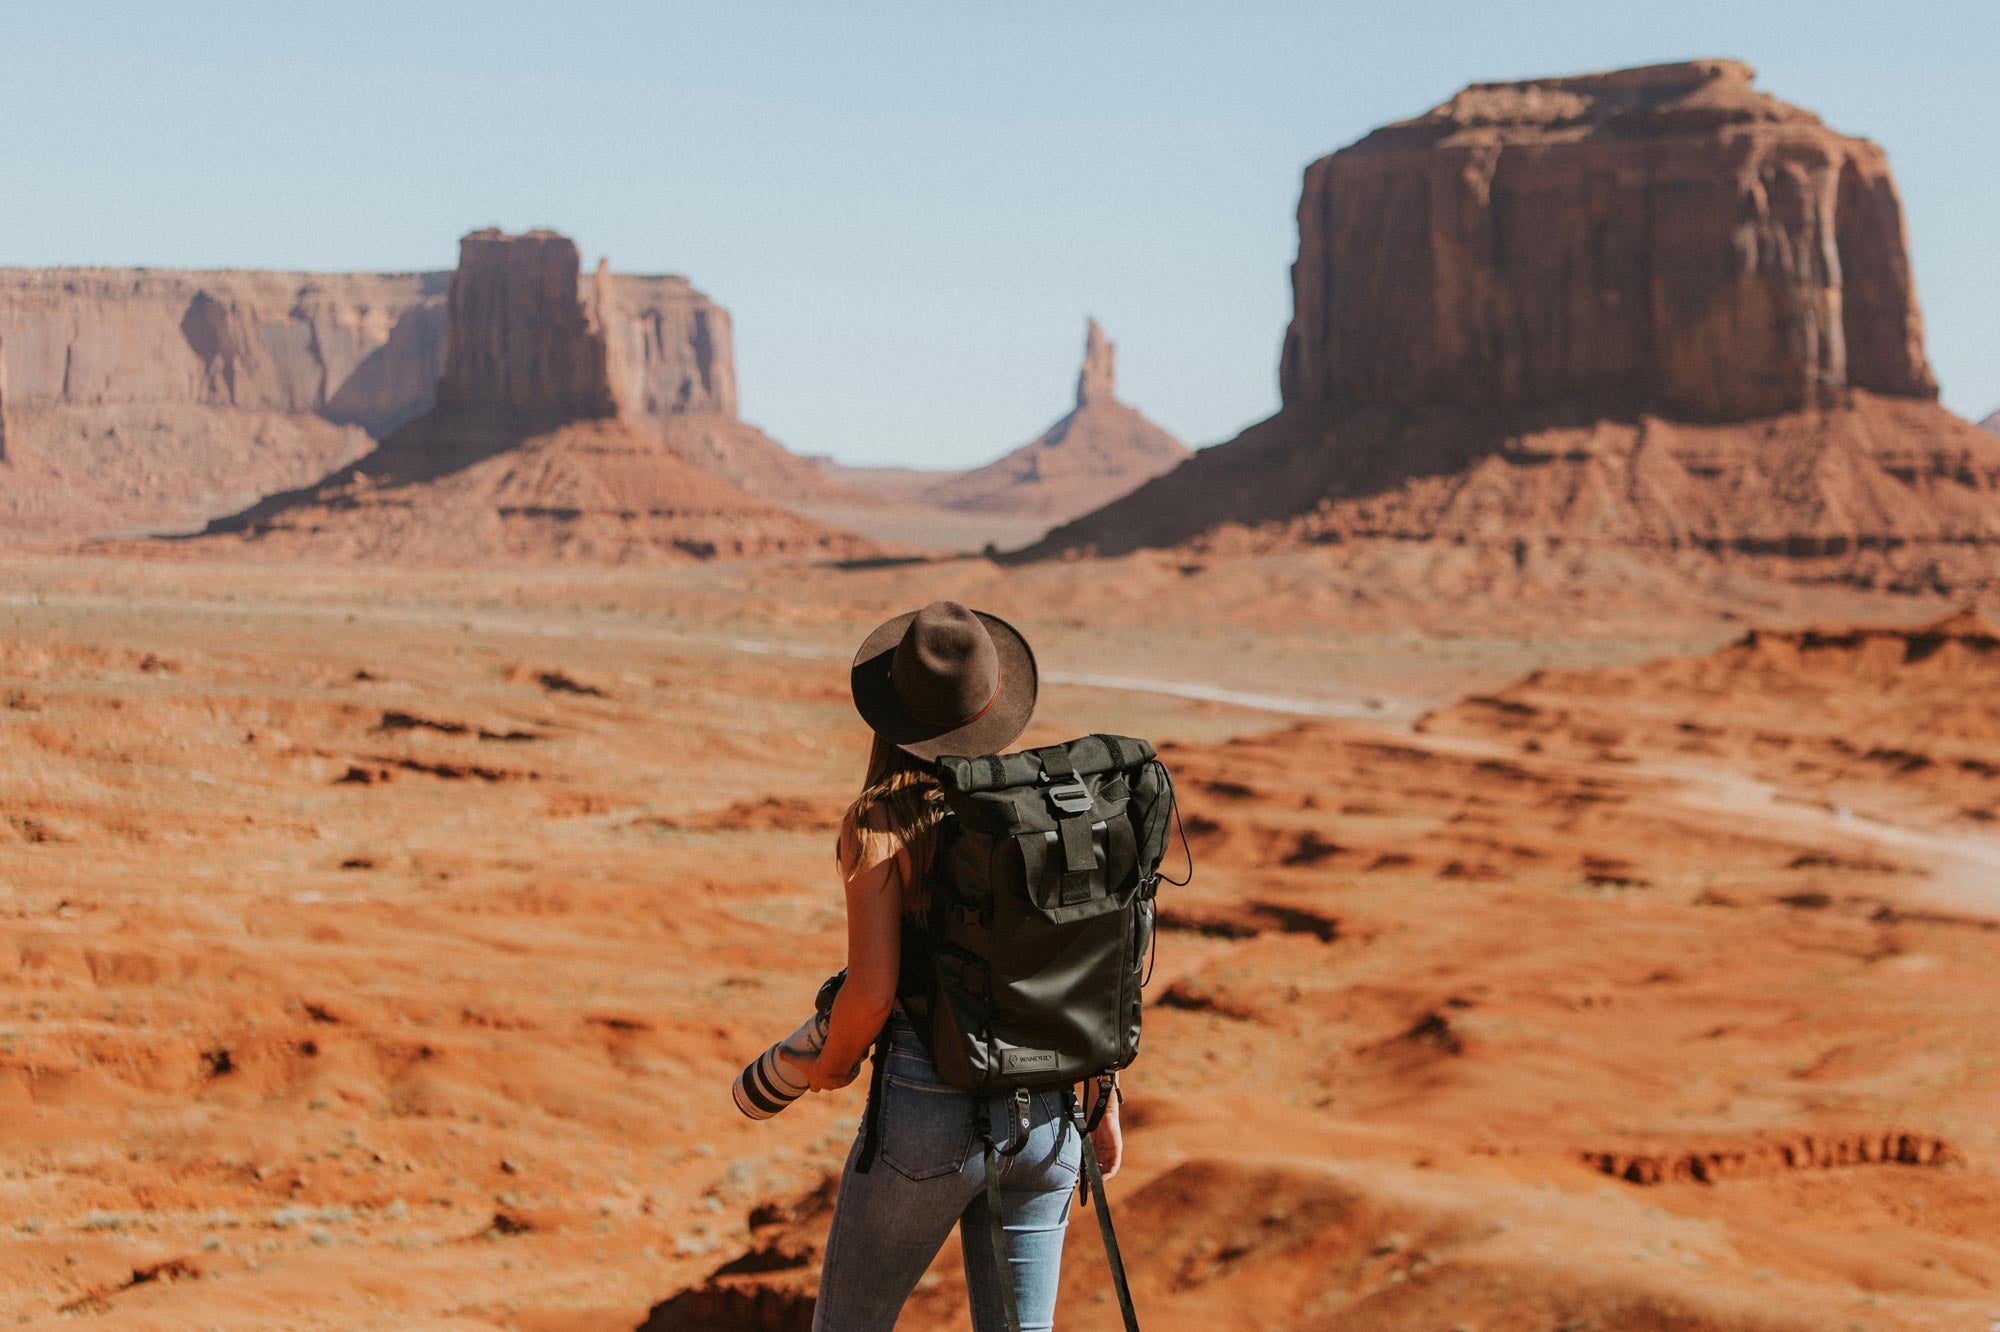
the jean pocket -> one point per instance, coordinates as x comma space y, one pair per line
926, 1131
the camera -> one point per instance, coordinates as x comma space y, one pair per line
769, 1084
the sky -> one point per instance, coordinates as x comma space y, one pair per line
908, 209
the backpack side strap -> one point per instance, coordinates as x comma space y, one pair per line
1094, 1181
996, 1225
871, 1115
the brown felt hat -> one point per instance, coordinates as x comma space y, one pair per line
945, 680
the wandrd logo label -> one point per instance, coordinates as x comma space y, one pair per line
1014, 1061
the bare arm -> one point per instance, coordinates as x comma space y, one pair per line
873, 872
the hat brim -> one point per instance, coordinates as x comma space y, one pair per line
989, 733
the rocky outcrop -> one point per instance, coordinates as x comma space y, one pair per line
1099, 451
1653, 309
1665, 239
770, 1287
541, 446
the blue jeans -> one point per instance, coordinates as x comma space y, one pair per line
929, 1175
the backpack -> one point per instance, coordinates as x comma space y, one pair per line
1039, 937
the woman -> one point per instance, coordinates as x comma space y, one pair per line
942, 680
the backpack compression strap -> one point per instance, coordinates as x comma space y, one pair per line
1072, 802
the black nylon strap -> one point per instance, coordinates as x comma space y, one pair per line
871, 1117
1020, 1122
1078, 858
996, 1230
1056, 762
1095, 1181
1077, 855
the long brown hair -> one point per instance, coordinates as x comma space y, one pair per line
900, 804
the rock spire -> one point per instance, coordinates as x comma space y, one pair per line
1099, 451
1098, 380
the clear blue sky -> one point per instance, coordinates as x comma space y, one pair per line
908, 208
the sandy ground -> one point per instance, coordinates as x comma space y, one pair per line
376, 948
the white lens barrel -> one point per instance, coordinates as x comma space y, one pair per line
770, 1084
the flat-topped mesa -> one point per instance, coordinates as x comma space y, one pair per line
1664, 239
145, 399
1098, 380
519, 337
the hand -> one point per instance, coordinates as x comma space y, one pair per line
1107, 1141
820, 1075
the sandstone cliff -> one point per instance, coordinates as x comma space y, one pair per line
540, 446
1099, 451
1653, 309
142, 398
359, 348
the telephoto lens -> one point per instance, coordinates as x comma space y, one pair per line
769, 1083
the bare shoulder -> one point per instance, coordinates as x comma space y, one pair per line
868, 838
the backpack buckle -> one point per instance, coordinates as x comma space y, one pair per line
1071, 797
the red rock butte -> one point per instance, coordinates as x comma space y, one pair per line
1663, 239
521, 338
548, 441
1652, 308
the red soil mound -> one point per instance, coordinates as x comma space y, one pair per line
455, 489
1885, 493
1895, 719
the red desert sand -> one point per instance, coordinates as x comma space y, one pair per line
382, 943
